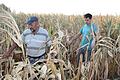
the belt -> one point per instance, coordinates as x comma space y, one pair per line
36, 57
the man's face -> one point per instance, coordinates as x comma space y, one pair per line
87, 21
33, 26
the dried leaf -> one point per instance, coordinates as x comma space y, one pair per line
110, 54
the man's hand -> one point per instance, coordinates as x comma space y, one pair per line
6, 55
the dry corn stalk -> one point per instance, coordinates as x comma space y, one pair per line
8, 24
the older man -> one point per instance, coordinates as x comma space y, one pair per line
36, 40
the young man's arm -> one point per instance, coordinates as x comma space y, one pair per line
9, 52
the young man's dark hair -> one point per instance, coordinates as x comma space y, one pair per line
88, 15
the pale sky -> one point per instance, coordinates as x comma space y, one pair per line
67, 7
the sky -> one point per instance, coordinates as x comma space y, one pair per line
67, 7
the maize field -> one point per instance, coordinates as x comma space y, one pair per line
60, 62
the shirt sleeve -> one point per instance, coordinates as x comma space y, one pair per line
49, 41
23, 37
95, 28
81, 30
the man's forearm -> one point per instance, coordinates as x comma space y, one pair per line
12, 48
9, 51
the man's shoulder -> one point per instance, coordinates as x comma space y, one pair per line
94, 25
84, 26
43, 30
26, 31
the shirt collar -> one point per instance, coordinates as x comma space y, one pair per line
35, 31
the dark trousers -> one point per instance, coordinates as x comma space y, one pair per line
34, 59
82, 51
